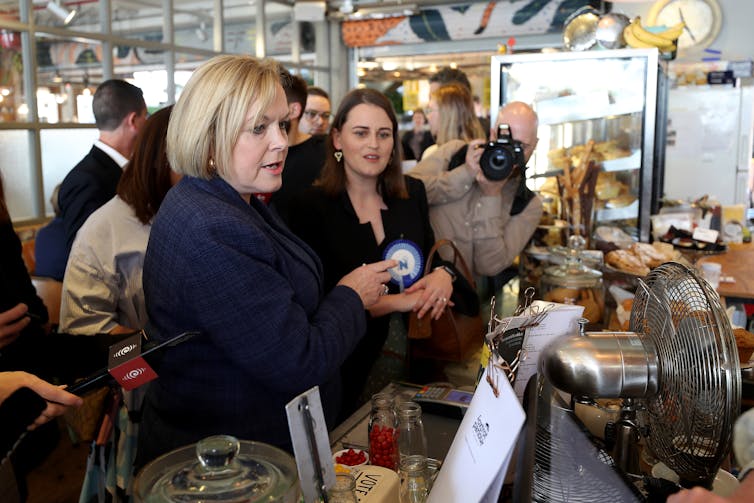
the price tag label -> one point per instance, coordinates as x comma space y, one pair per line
706, 235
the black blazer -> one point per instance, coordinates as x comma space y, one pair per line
89, 185
15, 283
331, 227
15, 286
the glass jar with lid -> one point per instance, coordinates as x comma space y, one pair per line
574, 283
219, 468
383, 432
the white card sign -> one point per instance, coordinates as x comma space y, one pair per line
478, 459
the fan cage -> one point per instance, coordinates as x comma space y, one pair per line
569, 467
689, 421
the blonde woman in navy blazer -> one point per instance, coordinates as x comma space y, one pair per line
220, 262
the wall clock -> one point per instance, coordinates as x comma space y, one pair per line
703, 20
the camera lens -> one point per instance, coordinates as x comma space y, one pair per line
496, 162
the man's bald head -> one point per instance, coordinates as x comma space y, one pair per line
523, 123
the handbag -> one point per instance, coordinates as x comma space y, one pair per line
458, 333
84, 422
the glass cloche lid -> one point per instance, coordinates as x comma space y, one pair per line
573, 272
220, 468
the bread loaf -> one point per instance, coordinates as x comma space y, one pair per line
648, 254
744, 343
625, 260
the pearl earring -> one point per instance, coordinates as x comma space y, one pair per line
338, 155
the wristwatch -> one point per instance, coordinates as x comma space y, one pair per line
447, 270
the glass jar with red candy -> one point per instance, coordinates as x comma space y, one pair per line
383, 432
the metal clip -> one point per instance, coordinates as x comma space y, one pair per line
507, 344
528, 297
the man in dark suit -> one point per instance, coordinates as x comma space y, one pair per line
119, 111
306, 153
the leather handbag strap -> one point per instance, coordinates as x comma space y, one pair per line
458, 260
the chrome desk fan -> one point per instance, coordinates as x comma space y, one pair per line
677, 372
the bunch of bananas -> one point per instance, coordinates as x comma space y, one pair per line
639, 37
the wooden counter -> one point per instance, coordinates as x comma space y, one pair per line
737, 262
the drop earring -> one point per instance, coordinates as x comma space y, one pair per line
338, 155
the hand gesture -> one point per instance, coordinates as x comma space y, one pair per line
435, 289
701, 495
58, 400
12, 322
473, 154
368, 281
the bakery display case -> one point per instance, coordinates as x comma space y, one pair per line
597, 109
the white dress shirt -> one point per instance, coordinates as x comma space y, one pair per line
114, 154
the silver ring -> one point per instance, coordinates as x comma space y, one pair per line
385, 289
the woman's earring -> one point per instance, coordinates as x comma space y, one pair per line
212, 165
338, 155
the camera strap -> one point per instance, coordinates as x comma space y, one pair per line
458, 158
523, 196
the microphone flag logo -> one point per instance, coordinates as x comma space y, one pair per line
127, 365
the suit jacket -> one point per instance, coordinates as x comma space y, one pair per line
302, 166
89, 185
269, 330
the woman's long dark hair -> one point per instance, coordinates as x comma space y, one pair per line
146, 179
333, 178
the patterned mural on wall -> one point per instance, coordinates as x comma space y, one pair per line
464, 21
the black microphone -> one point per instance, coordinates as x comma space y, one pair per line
151, 352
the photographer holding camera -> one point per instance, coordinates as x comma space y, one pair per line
485, 208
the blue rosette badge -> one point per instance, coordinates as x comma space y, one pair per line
410, 262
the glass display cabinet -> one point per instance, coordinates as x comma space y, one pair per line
612, 101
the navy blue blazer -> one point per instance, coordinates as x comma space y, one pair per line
234, 272
89, 185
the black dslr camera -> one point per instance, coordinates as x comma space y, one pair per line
502, 156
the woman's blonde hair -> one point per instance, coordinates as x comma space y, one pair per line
212, 110
458, 121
